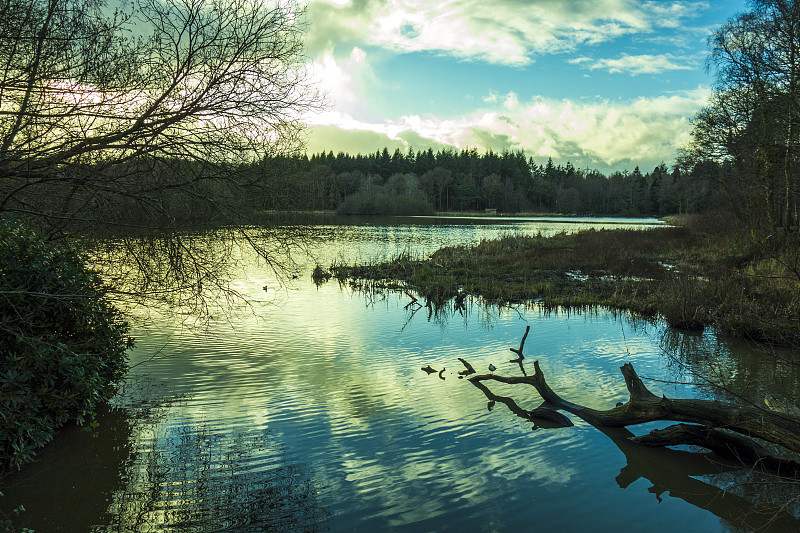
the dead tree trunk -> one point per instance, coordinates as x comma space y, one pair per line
719, 426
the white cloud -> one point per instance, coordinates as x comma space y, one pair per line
637, 64
601, 134
511, 101
343, 80
672, 14
509, 32
358, 55
346, 36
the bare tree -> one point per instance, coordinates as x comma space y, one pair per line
754, 113
107, 116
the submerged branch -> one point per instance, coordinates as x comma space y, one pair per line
721, 427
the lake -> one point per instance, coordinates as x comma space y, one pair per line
307, 410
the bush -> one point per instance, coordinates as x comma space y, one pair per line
363, 203
62, 344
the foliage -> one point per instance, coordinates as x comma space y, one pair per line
7, 524
383, 204
466, 180
112, 114
753, 118
62, 345
400, 195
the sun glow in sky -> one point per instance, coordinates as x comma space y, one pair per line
608, 84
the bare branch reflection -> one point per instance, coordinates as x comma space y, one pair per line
185, 476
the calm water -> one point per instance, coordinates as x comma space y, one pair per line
309, 411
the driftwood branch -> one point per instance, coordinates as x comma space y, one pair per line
518, 351
543, 415
722, 442
720, 426
469, 370
668, 470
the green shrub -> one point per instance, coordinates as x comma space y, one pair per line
62, 344
381, 203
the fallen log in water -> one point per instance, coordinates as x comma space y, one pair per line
719, 426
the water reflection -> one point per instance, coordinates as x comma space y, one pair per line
200, 272
53, 489
337, 427
387, 446
309, 411
700, 479
736, 369
188, 475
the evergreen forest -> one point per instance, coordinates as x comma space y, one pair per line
468, 181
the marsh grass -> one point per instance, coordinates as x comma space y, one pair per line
694, 275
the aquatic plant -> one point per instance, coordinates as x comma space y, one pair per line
691, 276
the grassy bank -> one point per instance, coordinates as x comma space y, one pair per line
695, 274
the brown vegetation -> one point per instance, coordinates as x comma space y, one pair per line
693, 275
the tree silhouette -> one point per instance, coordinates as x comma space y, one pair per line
106, 115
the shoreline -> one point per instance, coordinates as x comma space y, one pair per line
694, 275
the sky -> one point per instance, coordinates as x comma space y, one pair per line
604, 84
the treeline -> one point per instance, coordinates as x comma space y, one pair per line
466, 180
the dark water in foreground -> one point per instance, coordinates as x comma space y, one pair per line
309, 412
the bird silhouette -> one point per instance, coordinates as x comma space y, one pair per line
428, 369
492, 368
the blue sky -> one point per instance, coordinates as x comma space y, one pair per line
608, 84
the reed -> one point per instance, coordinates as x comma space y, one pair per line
694, 275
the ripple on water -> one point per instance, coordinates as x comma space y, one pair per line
189, 474
312, 413
338, 427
